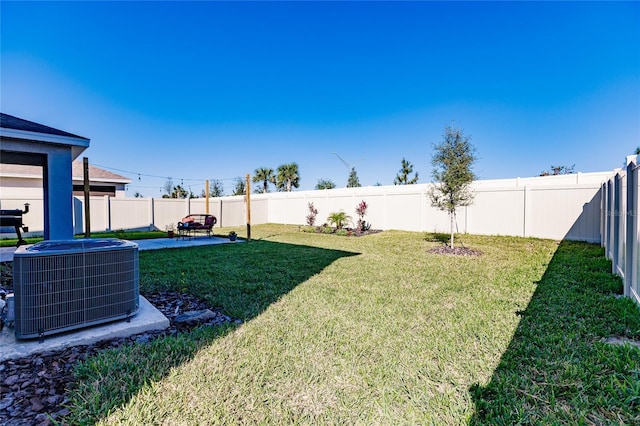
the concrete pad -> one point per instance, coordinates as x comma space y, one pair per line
148, 318
6, 254
163, 243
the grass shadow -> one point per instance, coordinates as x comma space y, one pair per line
241, 279
557, 369
437, 237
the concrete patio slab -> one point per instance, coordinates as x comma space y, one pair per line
6, 253
148, 318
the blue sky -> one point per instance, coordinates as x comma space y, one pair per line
209, 90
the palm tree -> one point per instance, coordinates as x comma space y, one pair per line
266, 176
339, 219
325, 184
288, 177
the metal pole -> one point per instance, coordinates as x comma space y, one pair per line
87, 189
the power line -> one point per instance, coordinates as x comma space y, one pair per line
159, 177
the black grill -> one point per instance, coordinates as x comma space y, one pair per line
14, 218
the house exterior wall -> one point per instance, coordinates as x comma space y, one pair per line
31, 187
15, 187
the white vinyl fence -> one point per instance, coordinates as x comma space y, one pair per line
619, 225
556, 207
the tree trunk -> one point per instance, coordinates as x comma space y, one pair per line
452, 223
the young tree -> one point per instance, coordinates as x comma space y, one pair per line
325, 184
288, 177
239, 188
265, 176
216, 188
403, 174
179, 192
452, 162
353, 181
167, 188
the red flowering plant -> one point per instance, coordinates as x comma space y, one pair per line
361, 211
311, 217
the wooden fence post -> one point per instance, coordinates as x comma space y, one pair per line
87, 193
248, 189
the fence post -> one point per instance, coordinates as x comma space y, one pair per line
107, 213
610, 218
603, 226
630, 266
151, 224
617, 215
527, 210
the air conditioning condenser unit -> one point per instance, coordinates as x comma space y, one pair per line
63, 285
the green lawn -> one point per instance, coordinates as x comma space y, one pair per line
375, 330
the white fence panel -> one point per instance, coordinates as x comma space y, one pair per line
619, 206
168, 211
99, 208
499, 211
403, 211
549, 207
233, 211
129, 213
297, 208
260, 209
199, 206
632, 282
565, 212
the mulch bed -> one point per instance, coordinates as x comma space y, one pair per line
455, 251
349, 232
32, 389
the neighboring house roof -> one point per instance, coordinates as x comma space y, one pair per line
96, 174
10, 122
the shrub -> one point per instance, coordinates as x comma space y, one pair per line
327, 230
339, 219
